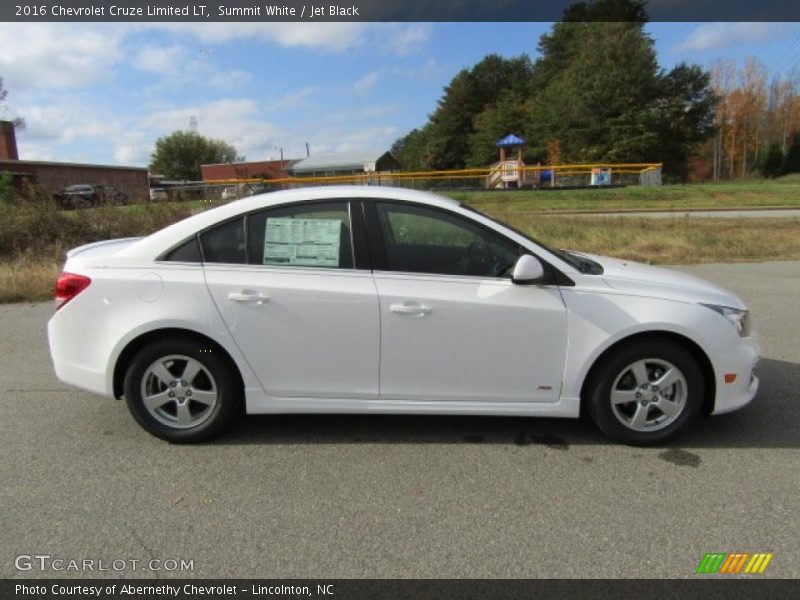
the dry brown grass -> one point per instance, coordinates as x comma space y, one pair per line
30, 276
679, 240
28, 280
35, 235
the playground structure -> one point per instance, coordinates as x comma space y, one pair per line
511, 172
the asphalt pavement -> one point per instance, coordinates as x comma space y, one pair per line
388, 496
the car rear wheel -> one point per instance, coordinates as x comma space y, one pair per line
647, 392
181, 391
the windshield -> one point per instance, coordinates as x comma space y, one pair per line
580, 262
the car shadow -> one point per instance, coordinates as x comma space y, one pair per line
772, 420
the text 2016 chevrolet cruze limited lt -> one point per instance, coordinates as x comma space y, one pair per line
380, 300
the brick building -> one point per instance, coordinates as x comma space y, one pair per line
265, 169
52, 177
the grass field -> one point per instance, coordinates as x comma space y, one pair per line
784, 192
33, 238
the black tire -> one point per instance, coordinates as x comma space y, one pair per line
614, 369
216, 375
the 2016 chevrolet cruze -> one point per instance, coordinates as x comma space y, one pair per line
379, 300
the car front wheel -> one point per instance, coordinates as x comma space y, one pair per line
180, 390
647, 392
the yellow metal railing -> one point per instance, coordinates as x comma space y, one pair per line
472, 173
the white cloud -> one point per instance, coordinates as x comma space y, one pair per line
227, 79
404, 40
430, 69
329, 36
347, 139
176, 66
397, 38
159, 59
718, 36
59, 73
53, 55
132, 148
366, 83
237, 121
289, 101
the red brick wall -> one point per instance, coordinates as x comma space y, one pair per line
8, 141
53, 177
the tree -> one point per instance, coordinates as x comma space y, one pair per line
557, 48
596, 88
469, 93
180, 154
773, 162
411, 150
494, 123
19, 122
600, 104
791, 164
686, 106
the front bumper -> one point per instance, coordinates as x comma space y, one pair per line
742, 361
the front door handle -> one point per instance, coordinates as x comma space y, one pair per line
248, 297
410, 308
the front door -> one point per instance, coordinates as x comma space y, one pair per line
453, 325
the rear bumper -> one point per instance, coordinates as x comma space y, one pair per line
81, 377
78, 359
741, 361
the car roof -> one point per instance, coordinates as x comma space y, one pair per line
166, 238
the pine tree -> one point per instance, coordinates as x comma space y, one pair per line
791, 163
772, 163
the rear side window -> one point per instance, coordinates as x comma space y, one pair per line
306, 235
225, 243
189, 251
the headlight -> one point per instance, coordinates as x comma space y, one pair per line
740, 319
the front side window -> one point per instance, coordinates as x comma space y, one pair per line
424, 240
305, 235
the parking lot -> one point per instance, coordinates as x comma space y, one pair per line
386, 497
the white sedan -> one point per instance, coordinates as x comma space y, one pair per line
380, 300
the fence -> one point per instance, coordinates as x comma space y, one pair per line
498, 176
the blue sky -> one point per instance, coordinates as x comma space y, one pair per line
103, 93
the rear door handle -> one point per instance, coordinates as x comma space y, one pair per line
410, 308
248, 297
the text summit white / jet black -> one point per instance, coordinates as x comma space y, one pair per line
378, 300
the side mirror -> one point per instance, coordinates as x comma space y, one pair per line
527, 271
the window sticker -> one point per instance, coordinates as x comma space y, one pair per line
302, 242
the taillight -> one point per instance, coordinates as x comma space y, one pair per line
68, 286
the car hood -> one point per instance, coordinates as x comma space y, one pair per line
647, 280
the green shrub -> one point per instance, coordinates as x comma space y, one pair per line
6, 188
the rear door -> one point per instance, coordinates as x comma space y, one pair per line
304, 314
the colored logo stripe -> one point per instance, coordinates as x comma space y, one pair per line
711, 562
733, 563
758, 563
